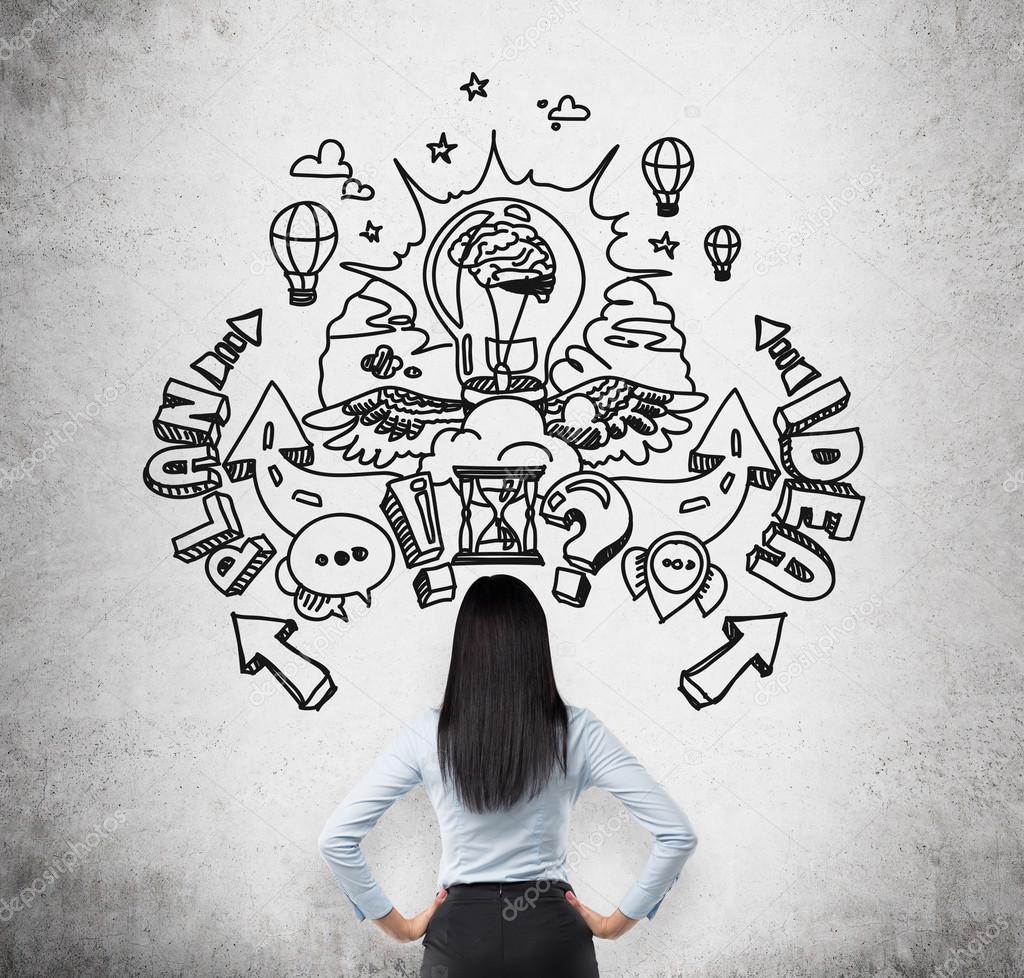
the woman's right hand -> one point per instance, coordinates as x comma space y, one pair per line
406, 929
608, 928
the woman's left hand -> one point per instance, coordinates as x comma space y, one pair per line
609, 928
405, 929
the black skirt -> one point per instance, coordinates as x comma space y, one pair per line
508, 930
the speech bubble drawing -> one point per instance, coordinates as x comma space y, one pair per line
334, 557
674, 570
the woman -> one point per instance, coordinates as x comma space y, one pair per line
503, 761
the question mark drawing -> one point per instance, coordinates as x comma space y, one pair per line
602, 513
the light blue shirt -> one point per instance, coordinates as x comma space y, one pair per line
526, 842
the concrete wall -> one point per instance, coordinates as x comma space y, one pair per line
859, 812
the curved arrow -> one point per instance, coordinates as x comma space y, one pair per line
263, 643
751, 641
275, 453
731, 458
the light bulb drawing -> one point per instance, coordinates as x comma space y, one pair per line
667, 167
495, 279
303, 237
722, 246
511, 263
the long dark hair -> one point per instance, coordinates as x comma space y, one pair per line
502, 729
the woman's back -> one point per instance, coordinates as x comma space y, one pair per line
504, 760
526, 841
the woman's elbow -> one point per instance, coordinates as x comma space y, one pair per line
335, 843
326, 841
682, 840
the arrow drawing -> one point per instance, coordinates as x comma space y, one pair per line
272, 428
264, 643
751, 641
275, 453
731, 457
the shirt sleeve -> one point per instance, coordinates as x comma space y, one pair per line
394, 773
612, 767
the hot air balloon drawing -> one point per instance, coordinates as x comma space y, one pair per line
668, 166
303, 237
722, 246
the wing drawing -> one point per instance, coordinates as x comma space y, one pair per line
611, 418
388, 423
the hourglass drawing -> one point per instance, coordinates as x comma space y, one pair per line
498, 514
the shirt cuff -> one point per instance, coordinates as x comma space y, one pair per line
639, 903
373, 904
